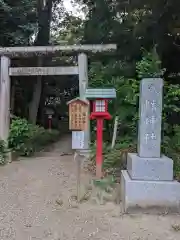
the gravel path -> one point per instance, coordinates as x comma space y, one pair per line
29, 190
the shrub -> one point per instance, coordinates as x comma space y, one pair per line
171, 148
19, 133
26, 138
150, 65
3, 152
114, 159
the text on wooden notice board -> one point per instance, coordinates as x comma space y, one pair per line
78, 115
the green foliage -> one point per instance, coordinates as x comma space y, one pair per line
150, 65
114, 159
18, 22
126, 108
26, 138
127, 90
105, 182
171, 147
134, 25
19, 133
171, 98
3, 152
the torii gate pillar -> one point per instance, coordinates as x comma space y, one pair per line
5, 84
83, 85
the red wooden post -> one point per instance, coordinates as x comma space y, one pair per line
50, 122
100, 112
99, 149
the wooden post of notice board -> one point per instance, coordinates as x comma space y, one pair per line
78, 123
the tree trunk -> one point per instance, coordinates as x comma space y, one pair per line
34, 105
44, 19
13, 91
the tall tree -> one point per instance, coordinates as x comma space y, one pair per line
44, 9
18, 21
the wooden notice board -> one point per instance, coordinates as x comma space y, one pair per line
78, 114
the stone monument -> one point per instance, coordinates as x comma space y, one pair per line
148, 181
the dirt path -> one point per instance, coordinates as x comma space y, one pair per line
29, 190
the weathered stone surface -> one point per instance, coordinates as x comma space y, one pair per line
155, 169
149, 195
150, 111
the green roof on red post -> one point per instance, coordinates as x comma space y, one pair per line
106, 93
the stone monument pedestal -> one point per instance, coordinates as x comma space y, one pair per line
148, 182
144, 187
149, 169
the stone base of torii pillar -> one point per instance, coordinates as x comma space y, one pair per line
148, 183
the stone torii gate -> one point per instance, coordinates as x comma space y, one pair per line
6, 71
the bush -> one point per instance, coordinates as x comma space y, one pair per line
114, 160
3, 152
26, 138
171, 148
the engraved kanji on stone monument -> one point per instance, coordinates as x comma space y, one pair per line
150, 116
